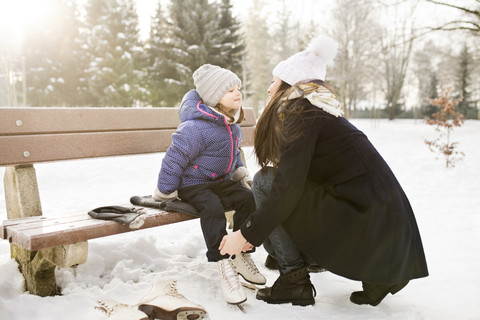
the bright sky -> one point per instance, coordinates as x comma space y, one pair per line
20, 15
17, 15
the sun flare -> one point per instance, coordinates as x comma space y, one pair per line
17, 17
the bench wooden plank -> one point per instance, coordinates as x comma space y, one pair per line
52, 120
39, 222
46, 233
30, 120
16, 150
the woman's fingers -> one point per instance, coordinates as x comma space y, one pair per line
222, 244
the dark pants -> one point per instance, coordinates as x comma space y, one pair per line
278, 244
212, 200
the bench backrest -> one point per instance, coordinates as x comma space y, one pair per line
32, 135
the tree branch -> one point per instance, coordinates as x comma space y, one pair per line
446, 26
475, 12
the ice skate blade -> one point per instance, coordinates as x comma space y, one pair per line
250, 286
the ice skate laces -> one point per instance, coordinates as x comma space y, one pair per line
229, 274
250, 264
172, 290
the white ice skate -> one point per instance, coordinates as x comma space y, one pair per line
247, 269
164, 302
231, 286
120, 311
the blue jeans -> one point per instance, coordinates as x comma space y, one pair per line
278, 244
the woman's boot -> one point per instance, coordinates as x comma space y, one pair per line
293, 287
373, 293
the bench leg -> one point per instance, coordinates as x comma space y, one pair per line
38, 267
39, 273
22, 198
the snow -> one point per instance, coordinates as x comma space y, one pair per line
123, 267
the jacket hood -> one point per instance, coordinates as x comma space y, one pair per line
192, 108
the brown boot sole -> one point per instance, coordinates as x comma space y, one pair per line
155, 312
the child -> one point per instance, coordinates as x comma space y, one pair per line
203, 167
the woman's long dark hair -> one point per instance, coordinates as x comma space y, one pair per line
276, 126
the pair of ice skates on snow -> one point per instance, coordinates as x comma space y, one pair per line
162, 302
230, 269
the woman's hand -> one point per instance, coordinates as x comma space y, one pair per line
234, 243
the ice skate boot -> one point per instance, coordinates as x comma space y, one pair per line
164, 302
247, 269
230, 282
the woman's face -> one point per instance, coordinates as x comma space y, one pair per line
232, 100
276, 82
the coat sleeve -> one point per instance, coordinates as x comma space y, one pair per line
287, 187
186, 146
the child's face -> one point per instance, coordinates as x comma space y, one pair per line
232, 100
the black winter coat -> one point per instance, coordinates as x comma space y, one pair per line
341, 204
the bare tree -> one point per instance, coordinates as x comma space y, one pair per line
355, 32
397, 44
470, 21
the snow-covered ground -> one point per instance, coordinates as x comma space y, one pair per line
122, 267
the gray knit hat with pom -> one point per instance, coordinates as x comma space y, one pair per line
212, 82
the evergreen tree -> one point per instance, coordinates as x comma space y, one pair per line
190, 39
233, 45
115, 70
165, 86
426, 71
53, 57
464, 81
431, 91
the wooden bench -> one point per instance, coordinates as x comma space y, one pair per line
32, 135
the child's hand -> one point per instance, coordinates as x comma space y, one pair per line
159, 196
242, 175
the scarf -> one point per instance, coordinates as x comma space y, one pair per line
319, 96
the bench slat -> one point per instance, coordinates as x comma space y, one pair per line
62, 120
46, 234
17, 150
29, 120
41, 221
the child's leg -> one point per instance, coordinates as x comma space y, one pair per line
234, 196
212, 217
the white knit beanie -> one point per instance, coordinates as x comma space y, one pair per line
310, 64
212, 82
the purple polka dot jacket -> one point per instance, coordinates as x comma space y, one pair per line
204, 149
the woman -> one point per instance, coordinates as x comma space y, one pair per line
328, 196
